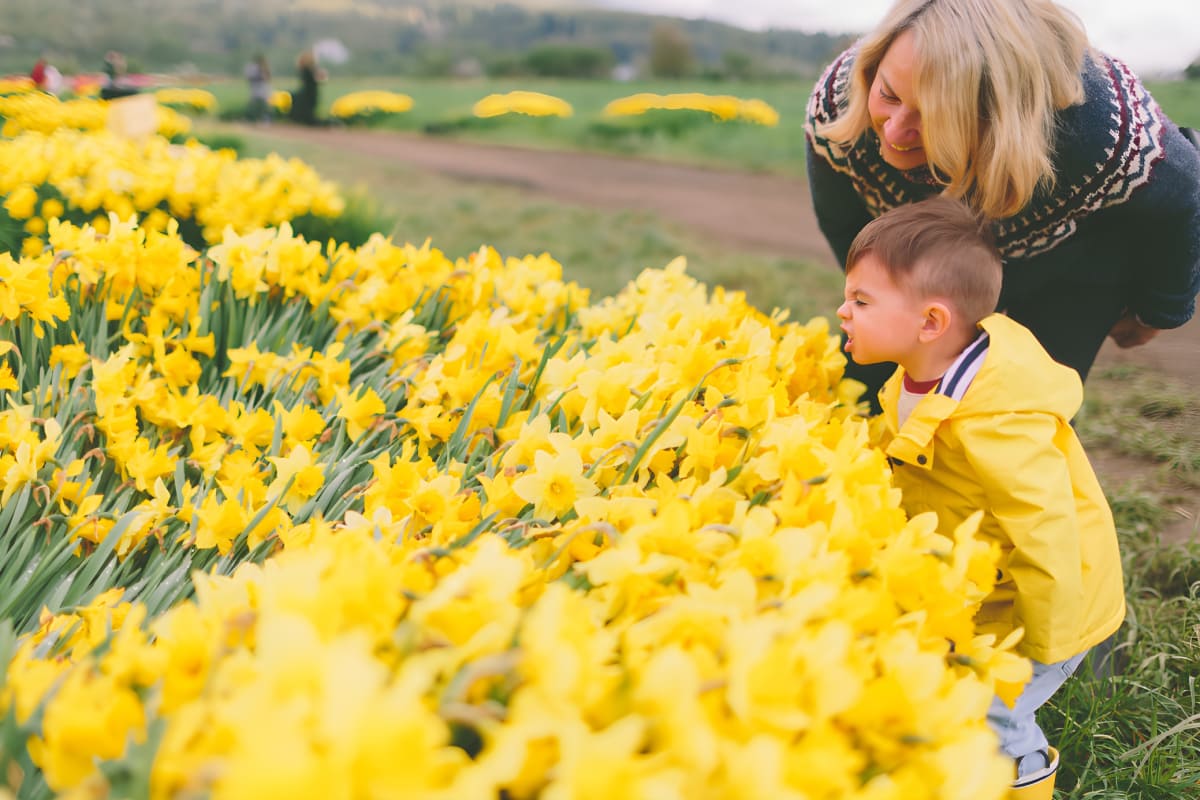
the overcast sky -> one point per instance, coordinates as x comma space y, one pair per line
1150, 35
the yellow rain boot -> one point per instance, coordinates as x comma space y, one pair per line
1038, 785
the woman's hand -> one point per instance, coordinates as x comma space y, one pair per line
1130, 332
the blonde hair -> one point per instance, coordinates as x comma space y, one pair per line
936, 248
989, 77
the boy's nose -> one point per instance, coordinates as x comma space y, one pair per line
843, 311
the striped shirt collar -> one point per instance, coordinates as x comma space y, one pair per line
956, 380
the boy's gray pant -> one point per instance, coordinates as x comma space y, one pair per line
1016, 727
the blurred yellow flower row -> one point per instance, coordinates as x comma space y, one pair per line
533, 104
82, 176
44, 113
16, 84
40, 111
188, 98
722, 107
281, 101
360, 104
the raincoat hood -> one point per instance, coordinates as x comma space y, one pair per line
1044, 385
1048, 386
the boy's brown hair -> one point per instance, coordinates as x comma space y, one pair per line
936, 248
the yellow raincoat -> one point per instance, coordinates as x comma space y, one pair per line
1008, 448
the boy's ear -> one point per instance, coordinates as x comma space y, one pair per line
936, 321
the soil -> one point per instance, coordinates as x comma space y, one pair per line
771, 214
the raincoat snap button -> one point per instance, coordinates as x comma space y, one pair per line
921, 459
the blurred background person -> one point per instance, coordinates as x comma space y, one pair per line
258, 75
114, 77
38, 73
46, 77
304, 99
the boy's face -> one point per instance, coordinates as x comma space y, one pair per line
881, 321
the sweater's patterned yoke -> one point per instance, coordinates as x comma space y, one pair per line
1118, 135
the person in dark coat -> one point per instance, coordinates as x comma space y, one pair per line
304, 99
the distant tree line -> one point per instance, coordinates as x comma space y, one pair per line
420, 37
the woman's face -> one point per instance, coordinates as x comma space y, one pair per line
894, 115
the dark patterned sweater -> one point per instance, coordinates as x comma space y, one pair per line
1125, 210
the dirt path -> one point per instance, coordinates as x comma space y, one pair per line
768, 213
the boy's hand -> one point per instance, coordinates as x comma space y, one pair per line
1130, 332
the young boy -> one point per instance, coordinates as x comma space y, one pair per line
980, 419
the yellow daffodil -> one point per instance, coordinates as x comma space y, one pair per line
554, 483
359, 410
297, 477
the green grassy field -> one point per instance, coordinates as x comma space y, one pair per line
444, 106
1180, 99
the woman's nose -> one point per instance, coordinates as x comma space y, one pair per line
903, 127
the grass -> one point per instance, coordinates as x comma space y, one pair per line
444, 105
1180, 99
1140, 414
1132, 735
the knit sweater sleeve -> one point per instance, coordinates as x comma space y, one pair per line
837, 201
840, 211
1165, 215
1125, 175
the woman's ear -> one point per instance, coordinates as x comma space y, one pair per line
936, 321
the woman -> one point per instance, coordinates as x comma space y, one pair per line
304, 99
1094, 194
115, 86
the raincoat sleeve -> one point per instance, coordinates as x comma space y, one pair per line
1027, 482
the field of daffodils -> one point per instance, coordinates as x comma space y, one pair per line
293, 519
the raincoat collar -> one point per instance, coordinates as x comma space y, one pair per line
913, 444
